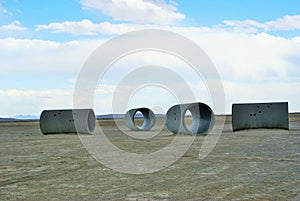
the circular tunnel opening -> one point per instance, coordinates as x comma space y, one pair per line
192, 118
142, 119
91, 121
139, 119
188, 119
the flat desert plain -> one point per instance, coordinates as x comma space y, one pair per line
259, 164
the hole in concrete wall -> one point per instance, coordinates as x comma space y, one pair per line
188, 120
139, 119
254, 114
194, 122
258, 106
194, 118
259, 111
54, 115
250, 115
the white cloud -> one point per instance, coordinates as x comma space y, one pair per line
258, 92
4, 11
137, 11
26, 55
15, 102
286, 23
253, 66
29, 93
14, 26
86, 27
251, 57
32, 102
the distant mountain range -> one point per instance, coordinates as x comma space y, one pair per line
26, 117
36, 118
20, 118
7, 119
121, 116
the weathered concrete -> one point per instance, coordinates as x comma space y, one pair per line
260, 115
149, 119
67, 121
202, 118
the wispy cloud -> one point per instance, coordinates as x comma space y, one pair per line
286, 23
14, 26
86, 27
36, 93
4, 11
137, 11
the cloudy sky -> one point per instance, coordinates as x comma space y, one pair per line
255, 46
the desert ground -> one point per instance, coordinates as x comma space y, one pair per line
259, 164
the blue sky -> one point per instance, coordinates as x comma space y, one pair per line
31, 13
254, 44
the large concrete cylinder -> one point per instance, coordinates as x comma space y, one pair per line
202, 119
260, 115
67, 121
149, 119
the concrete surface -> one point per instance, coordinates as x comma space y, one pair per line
67, 121
260, 115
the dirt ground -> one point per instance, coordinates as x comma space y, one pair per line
260, 164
